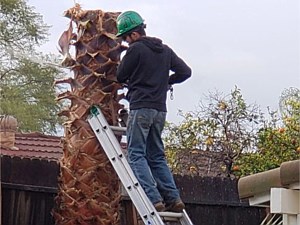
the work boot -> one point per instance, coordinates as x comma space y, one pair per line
160, 207
177, 206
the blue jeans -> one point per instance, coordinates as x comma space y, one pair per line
146, 155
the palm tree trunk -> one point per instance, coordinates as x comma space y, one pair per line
88, 185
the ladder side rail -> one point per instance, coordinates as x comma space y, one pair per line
185, 219
134, 190
113, 157
118, 151
117, 148
115, 143
113, 150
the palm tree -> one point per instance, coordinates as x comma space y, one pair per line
88, 185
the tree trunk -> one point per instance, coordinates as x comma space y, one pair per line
89, 189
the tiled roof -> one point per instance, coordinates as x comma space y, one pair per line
35, 146
200, 163
46, 147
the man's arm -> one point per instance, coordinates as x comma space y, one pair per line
181, 70
128, 65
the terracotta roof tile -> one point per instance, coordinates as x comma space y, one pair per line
35, 146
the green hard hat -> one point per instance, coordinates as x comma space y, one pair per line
127, 21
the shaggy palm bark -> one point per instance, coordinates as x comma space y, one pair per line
89, 187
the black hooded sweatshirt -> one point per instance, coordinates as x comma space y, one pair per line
145, 68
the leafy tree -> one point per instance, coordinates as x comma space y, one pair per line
246, 141
26, 89
279, 140
224, 124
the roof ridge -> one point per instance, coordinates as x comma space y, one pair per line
37, 134
38, 150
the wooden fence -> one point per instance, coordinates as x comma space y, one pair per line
215, 201
29, 188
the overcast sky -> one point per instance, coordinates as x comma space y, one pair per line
253, 44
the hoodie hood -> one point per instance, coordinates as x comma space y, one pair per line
153, 43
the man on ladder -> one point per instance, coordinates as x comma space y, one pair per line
145, 69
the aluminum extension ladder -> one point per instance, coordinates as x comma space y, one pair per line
112, 148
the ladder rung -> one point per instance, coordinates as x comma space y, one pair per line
118, 129
170, 216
